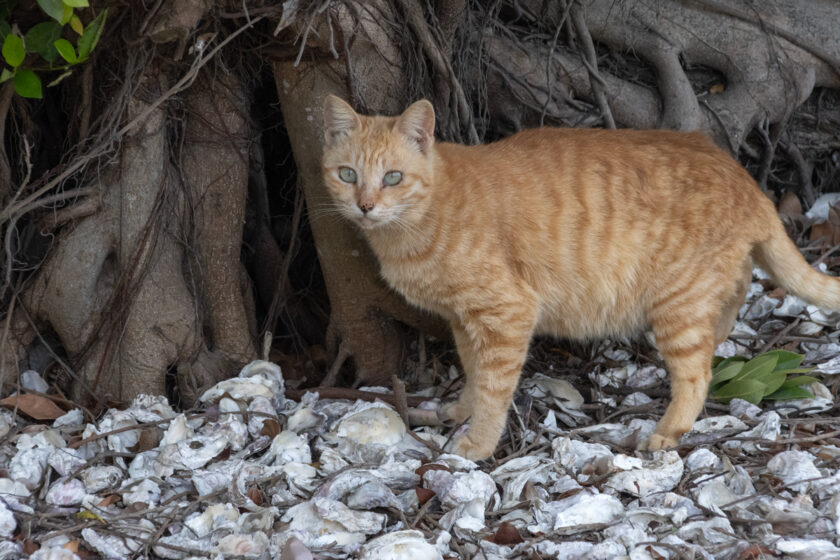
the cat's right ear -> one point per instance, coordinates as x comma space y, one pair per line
339, 119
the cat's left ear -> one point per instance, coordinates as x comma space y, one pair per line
418, 124
339, 119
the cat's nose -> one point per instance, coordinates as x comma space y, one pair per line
366, 206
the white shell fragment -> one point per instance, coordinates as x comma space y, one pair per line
259, 378
660, 474
400, 545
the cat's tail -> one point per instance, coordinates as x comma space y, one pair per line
780, 257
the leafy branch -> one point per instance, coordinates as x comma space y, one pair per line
763, 377
48, 41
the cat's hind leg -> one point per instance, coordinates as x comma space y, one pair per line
686, 343
733, 304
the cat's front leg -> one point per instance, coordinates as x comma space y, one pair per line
461, 409
498, 339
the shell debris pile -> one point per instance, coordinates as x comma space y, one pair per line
253, 474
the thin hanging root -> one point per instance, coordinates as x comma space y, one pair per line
590, 60
343, 354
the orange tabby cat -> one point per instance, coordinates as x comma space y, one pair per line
572, 233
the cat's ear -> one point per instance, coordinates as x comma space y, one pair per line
339, 119
418, 124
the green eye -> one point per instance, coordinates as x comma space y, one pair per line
347, 175
392, 178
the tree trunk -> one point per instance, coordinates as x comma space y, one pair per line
365, 316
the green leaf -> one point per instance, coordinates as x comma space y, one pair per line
787, 393
67, 13
76, 25
773, 380
13, 50
40, 39
787, 360
90, 37
53, 8
801, 380
28, 84
5, 75
66, 50
726, 373
757, 367
76, 3
5, 29
750, 390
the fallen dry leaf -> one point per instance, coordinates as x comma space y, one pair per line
34, 406
423, 469
270, 428
790, 206
108, 500
507, 535
30, 546
424, 495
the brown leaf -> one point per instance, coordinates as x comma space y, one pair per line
108, 500
255, 495
828, 232
270, 428
30, 546
423, 469
73, 546
507, 534
35, 406
790, 206
147, 440
778, 293
424, 495
717, 88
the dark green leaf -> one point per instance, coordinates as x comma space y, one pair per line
801, 380
787, 360
725, 362
28, 84
748, 389
726, 373
5, 29
794, 370
5, 75
13, 50
40, 39
76, 3
53, 8
758, 366
773, 380
90, 37
787, 393
66, 50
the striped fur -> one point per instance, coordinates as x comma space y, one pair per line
573, 233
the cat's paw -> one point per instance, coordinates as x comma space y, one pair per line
454, 412
658, 441
469, 449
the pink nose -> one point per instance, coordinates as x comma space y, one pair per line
366, 207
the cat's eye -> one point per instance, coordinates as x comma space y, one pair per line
347, 175
392, 178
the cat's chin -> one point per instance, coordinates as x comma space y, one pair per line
369, 224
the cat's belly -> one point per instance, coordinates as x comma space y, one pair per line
590, 318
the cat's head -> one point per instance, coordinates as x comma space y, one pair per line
379, 169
